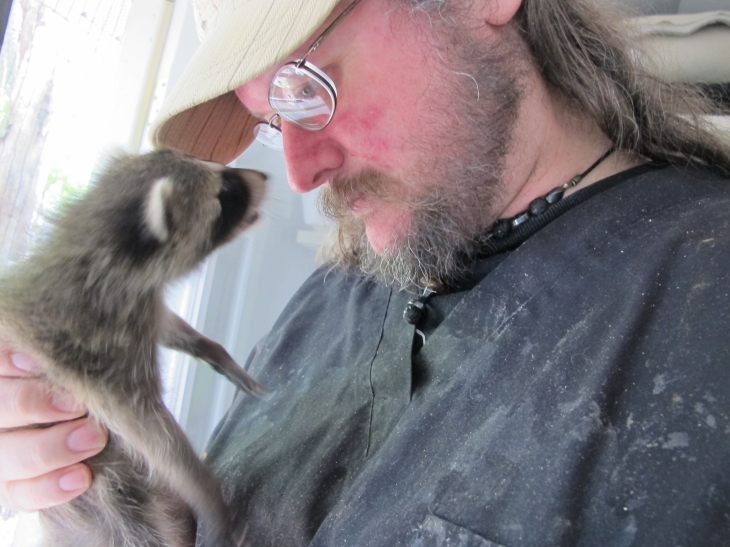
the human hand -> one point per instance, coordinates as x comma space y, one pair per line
40, 464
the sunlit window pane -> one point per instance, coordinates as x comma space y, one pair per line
57, 71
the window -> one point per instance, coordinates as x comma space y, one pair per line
73, 88
112, 60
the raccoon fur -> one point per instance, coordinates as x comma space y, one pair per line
88, 302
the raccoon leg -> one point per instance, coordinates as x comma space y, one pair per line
148, 428
178, 335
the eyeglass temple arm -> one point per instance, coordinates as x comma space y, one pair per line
327, 31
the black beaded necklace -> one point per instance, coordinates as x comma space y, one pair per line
415, 311
502, 227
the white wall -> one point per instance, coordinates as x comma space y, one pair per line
652, 7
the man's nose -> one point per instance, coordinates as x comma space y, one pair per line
312, 157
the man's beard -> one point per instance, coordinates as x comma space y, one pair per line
458, 185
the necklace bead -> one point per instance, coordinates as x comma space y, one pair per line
537, 206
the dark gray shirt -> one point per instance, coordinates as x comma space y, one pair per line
577, 394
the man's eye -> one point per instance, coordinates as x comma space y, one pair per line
306, 92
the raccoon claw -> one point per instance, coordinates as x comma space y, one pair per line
251, 386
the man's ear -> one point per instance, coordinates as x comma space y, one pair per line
498, 12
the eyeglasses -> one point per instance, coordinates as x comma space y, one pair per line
301, 93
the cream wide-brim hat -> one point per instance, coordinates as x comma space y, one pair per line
240, 39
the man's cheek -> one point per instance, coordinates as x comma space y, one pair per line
374, 138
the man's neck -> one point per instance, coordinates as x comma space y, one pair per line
552, 142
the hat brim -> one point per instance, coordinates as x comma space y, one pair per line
202, 115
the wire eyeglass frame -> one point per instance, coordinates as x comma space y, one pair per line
269, 132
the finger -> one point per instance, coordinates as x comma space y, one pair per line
47, 490
15, 364
26, 401
30, 453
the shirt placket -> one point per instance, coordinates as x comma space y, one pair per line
391, 372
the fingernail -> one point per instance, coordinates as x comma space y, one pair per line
65, 402
74, 480
87, 437
24, 362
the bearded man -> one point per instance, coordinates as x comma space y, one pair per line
519, 336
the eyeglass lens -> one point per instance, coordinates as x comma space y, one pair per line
268, 135
301, 96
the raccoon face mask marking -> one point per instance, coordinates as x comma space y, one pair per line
234, 198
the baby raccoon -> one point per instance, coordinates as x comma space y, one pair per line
88, 303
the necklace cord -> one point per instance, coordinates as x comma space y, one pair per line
578, 178
503, 234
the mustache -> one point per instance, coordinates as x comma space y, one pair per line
337, 200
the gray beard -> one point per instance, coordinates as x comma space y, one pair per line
458, 191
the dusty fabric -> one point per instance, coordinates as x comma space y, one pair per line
578, 394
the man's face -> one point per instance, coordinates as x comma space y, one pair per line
411, 161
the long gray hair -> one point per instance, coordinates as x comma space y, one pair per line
588, 54
585, 52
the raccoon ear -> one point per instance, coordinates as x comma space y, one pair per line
154, 211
